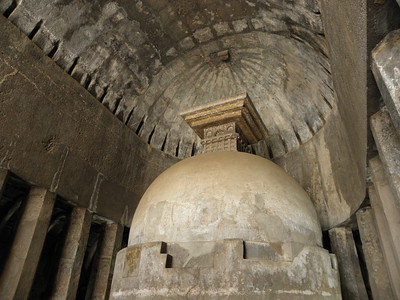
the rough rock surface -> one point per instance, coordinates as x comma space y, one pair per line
114, 48
288, 81
56, 135
123, 52
387, 219
388, 143
386, 68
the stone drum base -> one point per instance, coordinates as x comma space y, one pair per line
225, 269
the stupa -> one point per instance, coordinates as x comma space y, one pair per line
225, 224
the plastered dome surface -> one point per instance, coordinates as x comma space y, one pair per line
225, 195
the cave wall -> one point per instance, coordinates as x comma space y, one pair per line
56, 135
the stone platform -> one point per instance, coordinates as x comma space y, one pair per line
225, 269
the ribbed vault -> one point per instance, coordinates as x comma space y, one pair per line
148, 60
115, 48
288, 81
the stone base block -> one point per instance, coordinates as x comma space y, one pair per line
226, 269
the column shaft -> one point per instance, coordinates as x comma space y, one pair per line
19, 271
386, 201
68, 275
351, 279
108, 251
377, 272
385, 238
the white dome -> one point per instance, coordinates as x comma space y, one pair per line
225, 195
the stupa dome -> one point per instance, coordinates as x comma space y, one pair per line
225, 195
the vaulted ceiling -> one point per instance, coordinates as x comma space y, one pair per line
146, 61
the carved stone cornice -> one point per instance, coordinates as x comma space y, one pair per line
229, 124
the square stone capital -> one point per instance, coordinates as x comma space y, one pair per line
238, 109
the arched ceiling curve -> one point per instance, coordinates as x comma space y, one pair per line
287, 80
121, 50
147, 60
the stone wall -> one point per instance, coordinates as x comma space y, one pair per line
280, 53
58, 136
115, 48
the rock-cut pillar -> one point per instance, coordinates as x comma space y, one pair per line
19, 271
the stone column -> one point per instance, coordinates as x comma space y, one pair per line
377, 272
111, 244
390, 251
20, 268
68, 275
351, 279
386, 202
385, 66
388, 143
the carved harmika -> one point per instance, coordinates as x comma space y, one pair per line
230, 124
224, 138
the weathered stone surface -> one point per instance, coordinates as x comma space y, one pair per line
351, 279
18, 273
229, 124
269, 67
387, 202
110, 245
383, 17
224, 137
322, 169
388, 143
213, 196
70, 264
389, 252
386, 69
387, 217
238, 109
122, 45
345, 27
117, 62
303, 141
218, 270
89, 156
376, 265
110, 173
233, 225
